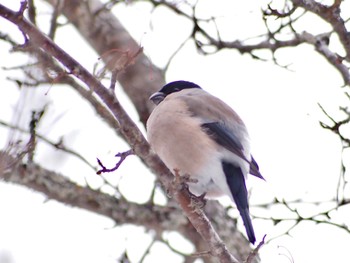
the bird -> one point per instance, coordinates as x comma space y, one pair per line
197, 134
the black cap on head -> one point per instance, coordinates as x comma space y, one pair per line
176, 86
171, 87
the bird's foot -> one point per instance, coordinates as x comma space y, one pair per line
198, 202
181, 181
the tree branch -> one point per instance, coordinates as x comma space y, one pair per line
58, 187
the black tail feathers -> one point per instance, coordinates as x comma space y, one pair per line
247, 224
236, 182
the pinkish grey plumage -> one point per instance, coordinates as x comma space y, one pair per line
201, 136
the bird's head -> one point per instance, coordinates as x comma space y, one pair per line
171, 87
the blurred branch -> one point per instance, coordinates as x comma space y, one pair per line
32, 11
147, 251
116, 62
31, 145
57, 145
58, 187
336, 128
274, 40
293, 214
332, 15
53, 73
53, 23
8, 39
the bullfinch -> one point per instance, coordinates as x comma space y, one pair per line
201, 136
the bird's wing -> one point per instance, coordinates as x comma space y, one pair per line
223, 136
221, 123
226, 138
254, 169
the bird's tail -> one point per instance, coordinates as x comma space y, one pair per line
247, 223
236, 183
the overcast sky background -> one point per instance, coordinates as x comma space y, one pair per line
297, 157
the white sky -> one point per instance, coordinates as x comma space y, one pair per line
279, 107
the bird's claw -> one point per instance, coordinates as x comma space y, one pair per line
181, 182
198, 202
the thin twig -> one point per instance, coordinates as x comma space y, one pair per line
57, 145
122, 156
252, 255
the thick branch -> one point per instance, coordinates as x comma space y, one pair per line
58, 187
330, 14
321, 46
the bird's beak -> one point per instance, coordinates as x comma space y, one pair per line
157, 97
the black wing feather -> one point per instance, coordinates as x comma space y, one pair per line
226, 138
219, 133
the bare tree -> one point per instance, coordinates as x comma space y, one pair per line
125, 64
